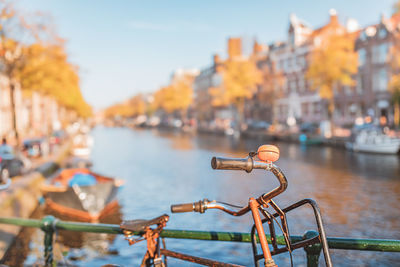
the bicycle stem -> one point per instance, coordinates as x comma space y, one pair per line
263, 199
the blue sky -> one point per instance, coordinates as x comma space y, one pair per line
127, 47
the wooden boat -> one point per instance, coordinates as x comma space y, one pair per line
85, 202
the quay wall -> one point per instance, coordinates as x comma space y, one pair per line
22, 197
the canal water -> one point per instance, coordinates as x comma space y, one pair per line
358, 194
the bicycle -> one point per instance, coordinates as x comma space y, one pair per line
266, 154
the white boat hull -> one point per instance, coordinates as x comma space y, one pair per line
374, 148
81, 152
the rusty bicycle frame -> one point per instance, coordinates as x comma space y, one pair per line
154, 253
256, 206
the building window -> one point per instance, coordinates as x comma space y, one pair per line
303, 62
304, 109
362, 53
278, 65
291, 38
285, 85
382, 33
293, 85
363, 36
347, 90
383, 80
286, 67
380, 80
379, 53
359, 84
316, 107
301, 84
383, 52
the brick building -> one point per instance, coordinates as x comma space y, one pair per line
372, 96
36, 114
212, 77
209, 77
286, 93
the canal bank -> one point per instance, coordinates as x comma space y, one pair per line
263, 135
22, 198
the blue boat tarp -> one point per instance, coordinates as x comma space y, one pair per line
82, 179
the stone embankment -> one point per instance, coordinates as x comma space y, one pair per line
22, 197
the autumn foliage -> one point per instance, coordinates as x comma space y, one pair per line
175, 97
240, 80
49, 72
34, 58
333, 65
130, 108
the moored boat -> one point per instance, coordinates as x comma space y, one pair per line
374, 142
82, 145
81, 194
305, 139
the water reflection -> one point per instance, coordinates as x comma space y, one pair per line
351, 188
358, 193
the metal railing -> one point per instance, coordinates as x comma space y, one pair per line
50, 224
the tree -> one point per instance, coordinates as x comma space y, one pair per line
177, 96
10, 53
48, 71
240, 80
138, 105
333, 64
33, 57
132, 107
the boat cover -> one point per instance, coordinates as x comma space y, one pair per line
82, 179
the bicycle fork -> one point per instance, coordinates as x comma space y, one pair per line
254, 206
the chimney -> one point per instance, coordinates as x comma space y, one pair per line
234, 47
382, 18
257, 48
333, 16
217, 63
216, 59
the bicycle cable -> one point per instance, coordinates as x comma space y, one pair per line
284, 236
231, 205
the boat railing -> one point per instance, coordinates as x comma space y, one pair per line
49, 225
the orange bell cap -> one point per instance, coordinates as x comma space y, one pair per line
268, 153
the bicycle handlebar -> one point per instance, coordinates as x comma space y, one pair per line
267, 154
202, 205
245, 164
188, 207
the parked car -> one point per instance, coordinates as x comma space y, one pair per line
36, 147
57, 137
309, 128
258, 125
10, 164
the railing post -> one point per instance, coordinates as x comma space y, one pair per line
48, 226
313, 251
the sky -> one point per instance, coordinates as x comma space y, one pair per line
128, 47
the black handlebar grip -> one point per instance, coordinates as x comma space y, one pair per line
219, 163
187, 207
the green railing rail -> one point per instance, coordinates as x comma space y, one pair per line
49, 225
